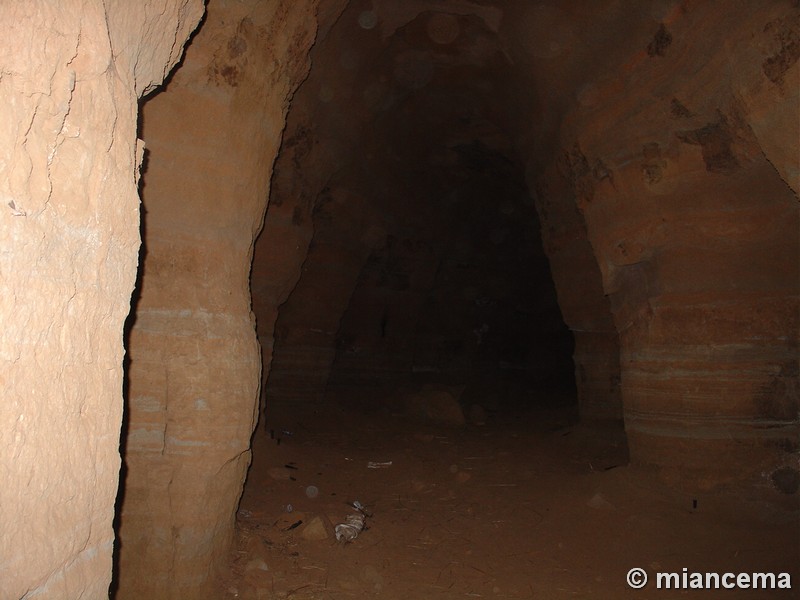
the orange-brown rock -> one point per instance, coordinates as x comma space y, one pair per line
689, 200
504, 198
194, 374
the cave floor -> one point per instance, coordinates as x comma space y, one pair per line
533, 506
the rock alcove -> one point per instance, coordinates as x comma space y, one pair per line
420, 217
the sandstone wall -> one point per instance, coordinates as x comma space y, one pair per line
70, 77
213, 135
377, 335
585, 307
677, 156
283, 244
302, 170
308, 322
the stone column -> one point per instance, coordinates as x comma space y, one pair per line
194, 377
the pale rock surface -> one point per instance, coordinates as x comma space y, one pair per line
316, 530
71, 74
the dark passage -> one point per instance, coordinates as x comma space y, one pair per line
421, 364
425, 262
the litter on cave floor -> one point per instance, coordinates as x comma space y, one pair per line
511, 510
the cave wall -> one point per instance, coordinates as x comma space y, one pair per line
375, 344
71, 76
579, 286
679, 152
301, 231
302, 170
307, 324
213, 134
659, 142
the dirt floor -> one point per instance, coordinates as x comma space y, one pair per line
533, 505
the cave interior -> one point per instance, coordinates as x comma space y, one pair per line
327, 299
535, 234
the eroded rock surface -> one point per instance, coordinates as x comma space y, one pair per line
70, 77
194, 376
691, 212
659, 147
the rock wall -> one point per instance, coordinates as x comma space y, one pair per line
585, 309
308, 322
283, 244
213, 134
661, 140
71, 74
302, 171
579, 285
675, 152
378, 333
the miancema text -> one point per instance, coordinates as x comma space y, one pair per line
710, 581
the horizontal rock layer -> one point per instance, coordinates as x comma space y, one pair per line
692, 216
194, 374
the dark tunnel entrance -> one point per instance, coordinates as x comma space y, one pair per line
401, 241
463, 298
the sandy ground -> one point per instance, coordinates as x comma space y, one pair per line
530, 506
